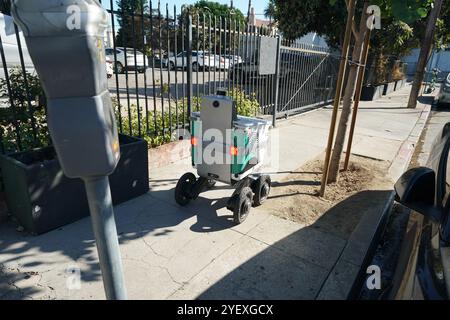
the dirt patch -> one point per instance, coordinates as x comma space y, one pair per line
363, 187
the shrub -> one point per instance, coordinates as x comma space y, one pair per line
160, 126
20, 115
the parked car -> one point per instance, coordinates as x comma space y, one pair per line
109, 67
444, 92
422, 270
11, 48
130, 62
200, 60
233, 59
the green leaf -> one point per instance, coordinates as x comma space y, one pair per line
332, 2
422, 12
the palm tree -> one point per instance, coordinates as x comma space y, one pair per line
270, 11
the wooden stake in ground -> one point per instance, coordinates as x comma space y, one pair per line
350, 88
351, 4
424, 53
359, 84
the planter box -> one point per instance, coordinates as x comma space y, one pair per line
388, 88
3, 208
399, 84
370, 93
42, 198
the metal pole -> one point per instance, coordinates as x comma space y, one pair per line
277, 81
362, 70
104, 226
189, 64
339, 85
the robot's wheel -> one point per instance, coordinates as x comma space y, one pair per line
210, 184
242, 205
183, 188
261, 189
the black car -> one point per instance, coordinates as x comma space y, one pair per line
422, 267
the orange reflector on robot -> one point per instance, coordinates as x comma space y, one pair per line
234, 151
116, 146
194, 141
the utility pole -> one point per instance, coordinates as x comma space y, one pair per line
351, 4
248, 11
424, 53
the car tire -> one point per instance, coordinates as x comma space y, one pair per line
141, 70
195, 67
119, 68
171, 66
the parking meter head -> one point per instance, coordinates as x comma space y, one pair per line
65, 41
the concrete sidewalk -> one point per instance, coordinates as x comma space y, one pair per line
196, 252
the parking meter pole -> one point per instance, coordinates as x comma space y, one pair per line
105, 231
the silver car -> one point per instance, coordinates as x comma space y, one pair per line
126, 59
444, 93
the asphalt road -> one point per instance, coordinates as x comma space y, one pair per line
153, 79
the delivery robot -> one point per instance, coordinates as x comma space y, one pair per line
230, 149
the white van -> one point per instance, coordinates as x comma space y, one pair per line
11, 48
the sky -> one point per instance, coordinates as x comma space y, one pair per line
242, 5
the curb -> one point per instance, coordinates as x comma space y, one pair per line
348, 274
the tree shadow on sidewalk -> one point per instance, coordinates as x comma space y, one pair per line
297, 266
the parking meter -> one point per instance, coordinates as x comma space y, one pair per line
65, 42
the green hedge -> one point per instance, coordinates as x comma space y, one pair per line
159, 130
20, 115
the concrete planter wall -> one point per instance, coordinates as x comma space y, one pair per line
399, 84
371, 93
169, 153
388, 88
42, 198
3, 208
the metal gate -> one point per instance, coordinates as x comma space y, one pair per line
165, 59
307, 77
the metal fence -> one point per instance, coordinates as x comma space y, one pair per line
165, 59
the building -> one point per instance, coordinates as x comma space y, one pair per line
311, 38
438, 59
